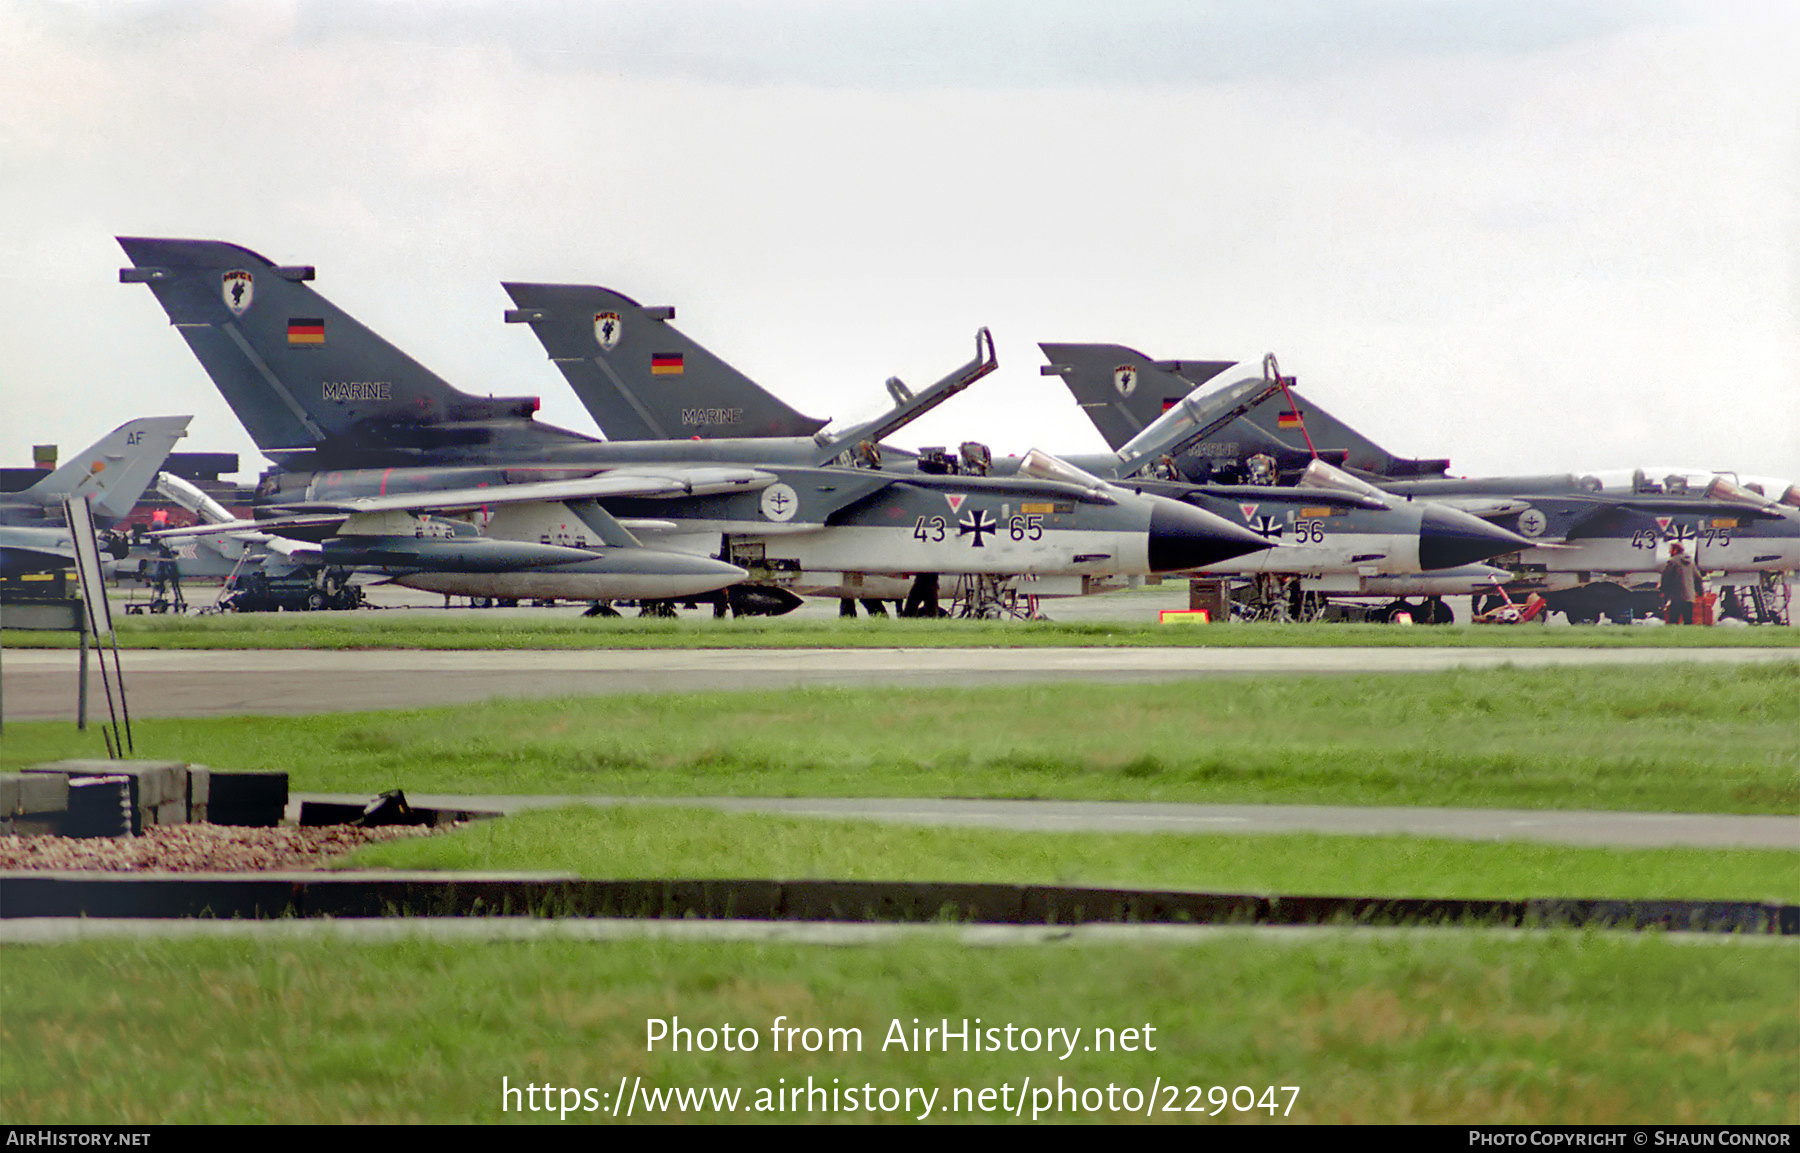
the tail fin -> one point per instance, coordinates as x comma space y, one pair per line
639, 376
1147, 409
299, 372
116, 469
1123, 391
1328, 432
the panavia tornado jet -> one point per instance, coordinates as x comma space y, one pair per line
1336, 533
1342, 537
112, 472
1590, 545
640, 532
1589, 538
543, 538
542, 512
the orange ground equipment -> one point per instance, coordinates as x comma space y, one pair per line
1511, 613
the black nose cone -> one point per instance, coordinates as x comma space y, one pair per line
1450, 538
1183, 537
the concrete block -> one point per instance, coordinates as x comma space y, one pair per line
9, 794
153, 783
174, 786
198, 778
159, 784
152, 788
42, 794
81, 768
37, 825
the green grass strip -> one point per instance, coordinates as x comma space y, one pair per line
1420, 1027
426, 629
1709, 738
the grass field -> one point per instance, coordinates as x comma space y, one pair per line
1432, 1027
1447, 1026
1688, 739
400, 629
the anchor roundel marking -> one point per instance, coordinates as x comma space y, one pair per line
780, 502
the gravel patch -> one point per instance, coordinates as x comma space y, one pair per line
198, 849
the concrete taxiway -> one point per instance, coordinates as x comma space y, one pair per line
1563, 827
38, 684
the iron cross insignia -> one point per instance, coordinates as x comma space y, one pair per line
979, 523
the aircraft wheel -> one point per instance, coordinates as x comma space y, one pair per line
315, 600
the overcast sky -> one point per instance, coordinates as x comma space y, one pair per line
1562, 235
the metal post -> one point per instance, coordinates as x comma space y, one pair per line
81, 635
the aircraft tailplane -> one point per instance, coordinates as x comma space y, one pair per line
299, 372
639, 376
1123, 392
115, 470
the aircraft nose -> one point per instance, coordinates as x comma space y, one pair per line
1450, 538
702, 573
1183, 537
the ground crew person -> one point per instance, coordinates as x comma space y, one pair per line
1681, 586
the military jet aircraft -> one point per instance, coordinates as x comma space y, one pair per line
1611, 541
1342, 540
1049, 522
545, 538
542, 493
112, 472
1589, 537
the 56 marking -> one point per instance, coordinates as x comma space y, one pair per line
1309, 532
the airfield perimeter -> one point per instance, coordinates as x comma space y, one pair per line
39, 684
